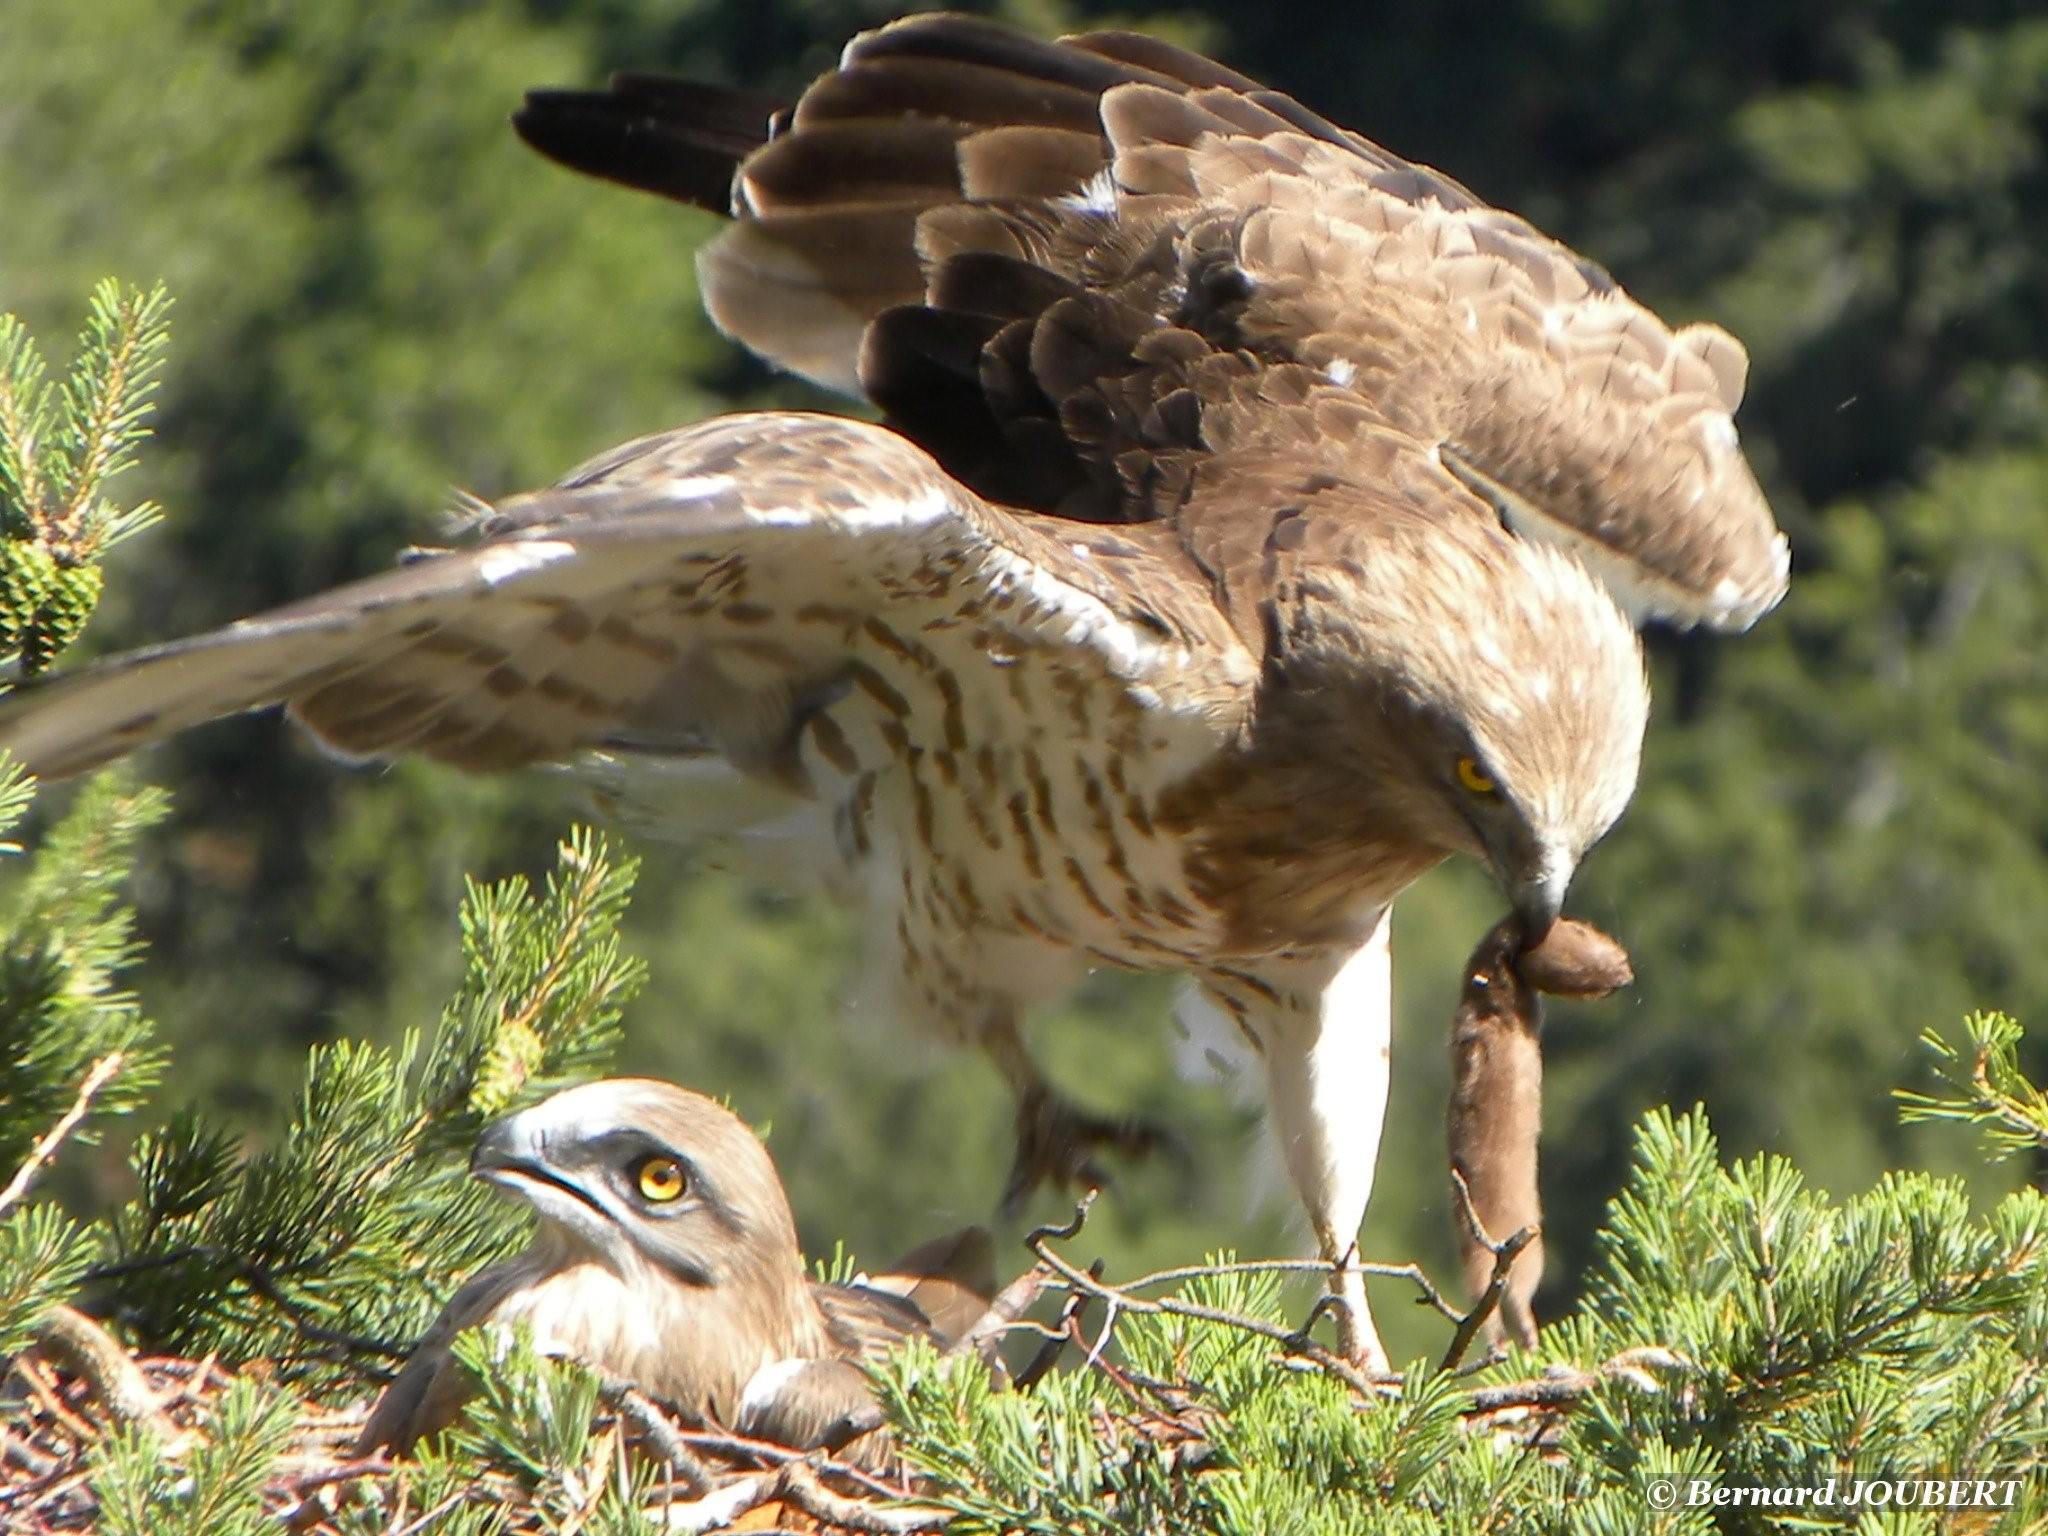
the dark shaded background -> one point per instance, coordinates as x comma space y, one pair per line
1838, 841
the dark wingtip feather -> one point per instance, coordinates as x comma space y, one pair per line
669, 137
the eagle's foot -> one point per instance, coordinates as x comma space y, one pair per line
1358, 1341
1057, 1140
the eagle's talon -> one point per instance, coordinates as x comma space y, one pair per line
1056, 1140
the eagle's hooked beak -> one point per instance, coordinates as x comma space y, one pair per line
1538, 898
1533, 874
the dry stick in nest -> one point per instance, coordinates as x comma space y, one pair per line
81, 1346
661, 1434
1291, 1341
1634, 1366
796, 1483
1004, 1313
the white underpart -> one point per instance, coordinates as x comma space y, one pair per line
1327, 1072
584, 1312
1096, 198
1208, 1046
1048, 630
501, 562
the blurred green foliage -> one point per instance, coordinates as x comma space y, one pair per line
1839, 838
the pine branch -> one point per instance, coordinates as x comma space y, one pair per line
351, 1228
43, 1258
1988, 1088
100, 1074
57, 456
66, 939
24, 421
107, 402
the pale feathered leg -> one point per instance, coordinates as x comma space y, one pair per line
1326, 1039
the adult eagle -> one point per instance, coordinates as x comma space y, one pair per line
1259, 519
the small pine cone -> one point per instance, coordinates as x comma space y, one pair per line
43, 604
27, 573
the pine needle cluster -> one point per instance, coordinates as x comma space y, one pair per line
60, 443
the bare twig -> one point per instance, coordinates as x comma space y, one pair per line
1320, 1268
42, 1385
1064, 1331
308, 1490
722, 1506
797, 1483
639, 1410
264, 1284
801, 1487
1008, 1305
722, 1442
1289, 1342
427, 1518
1504, 1254
97, 1077
17, 1452
1632, 1366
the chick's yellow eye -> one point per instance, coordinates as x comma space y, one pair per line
661, 1179
1474, 778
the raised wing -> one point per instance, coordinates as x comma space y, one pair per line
713, 589
1072, 269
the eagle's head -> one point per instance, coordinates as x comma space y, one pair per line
639, 1175
1492, 688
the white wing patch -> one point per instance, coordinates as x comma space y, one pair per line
501, 562
1097, 197
926, 507
766, 1386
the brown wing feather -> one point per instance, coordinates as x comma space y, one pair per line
947, 153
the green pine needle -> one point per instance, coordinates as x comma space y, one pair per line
60, 446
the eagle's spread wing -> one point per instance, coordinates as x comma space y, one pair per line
1074, 270
713, 589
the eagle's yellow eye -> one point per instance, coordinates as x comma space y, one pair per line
1474, 778
661, 1179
